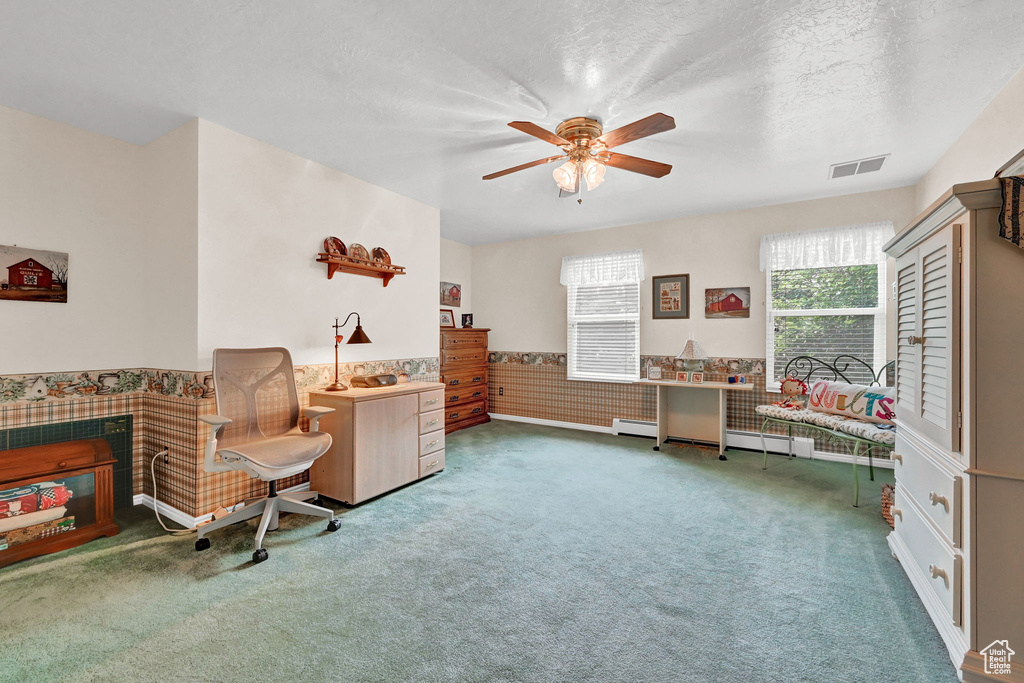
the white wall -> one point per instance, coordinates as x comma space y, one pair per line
516, 290
263, 216
66, 189
457, 267
170, 169
990, 141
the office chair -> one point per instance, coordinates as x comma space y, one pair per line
256, 430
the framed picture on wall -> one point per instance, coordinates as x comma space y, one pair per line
729, 302
697, 377
447, 317
670, 297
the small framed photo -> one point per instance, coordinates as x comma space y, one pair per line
467, 320
682, 377
447, 317
671, 297
654, 372
697, 377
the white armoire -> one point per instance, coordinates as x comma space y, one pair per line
959, 506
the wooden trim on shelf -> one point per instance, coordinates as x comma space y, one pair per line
357, 266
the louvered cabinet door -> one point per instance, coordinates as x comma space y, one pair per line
928, 325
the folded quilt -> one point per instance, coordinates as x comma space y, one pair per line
864, 430
37, 517
29, 499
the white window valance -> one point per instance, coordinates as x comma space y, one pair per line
620, 266
852, 245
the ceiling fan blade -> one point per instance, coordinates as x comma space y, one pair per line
655, 169
521, 167
655, 123
538, 132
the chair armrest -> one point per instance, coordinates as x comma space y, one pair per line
314, 413
215, 420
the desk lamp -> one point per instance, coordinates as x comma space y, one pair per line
358, 337
691, 355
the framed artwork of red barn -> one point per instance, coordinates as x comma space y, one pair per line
730, 302
33, 274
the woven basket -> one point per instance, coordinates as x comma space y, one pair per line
888, 495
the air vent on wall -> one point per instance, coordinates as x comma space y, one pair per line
848, 168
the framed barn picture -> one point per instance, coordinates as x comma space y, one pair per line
671, 297
451, 294
33, 274
731, 302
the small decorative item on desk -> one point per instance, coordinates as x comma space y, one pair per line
654, 372
692, 354
737, 379
447, 317
682, 376
374, 381
358, 337
697, 377
467, 320
791, 387
451, 294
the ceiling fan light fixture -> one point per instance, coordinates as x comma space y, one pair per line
566, 176
593, 173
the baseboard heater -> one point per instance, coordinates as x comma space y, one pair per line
622, 427
803, 447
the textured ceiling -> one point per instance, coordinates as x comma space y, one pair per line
415, 95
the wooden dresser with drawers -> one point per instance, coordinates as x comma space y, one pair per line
464, 374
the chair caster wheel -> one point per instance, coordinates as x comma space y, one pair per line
334, 525
259, 556
202, 544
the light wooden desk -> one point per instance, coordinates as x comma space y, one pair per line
697, 415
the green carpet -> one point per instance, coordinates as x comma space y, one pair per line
540, 554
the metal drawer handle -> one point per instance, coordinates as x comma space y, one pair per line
896, 512
915, 340
897, 456
478, 379
477, 410
453, 383
431, 443
433, 400
477, 394
434, 421
433, 464
939, 573
936, 499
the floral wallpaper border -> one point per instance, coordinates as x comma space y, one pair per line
193, 385
729, 366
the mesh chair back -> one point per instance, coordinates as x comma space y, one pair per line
256, 389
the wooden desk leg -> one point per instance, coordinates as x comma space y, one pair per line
662, 417
721, 418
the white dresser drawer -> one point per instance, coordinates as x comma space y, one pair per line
434, 441
935, 489
431, 400
431, 421
434, 462
934, 557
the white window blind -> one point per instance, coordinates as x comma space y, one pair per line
603, 315
825, 296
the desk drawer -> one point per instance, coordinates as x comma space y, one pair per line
461, 341
465, 394
936, 490
464, 356
465, 378
462, 411
431, 463
431, 421
941, 566
432, 441
431, 400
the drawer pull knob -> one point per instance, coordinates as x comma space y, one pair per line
434, 421
896, 512
937, 572
432, 443
432, 401
62, 464
897, 457
432, 465
936, 499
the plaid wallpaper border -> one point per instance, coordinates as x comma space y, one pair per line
165, 417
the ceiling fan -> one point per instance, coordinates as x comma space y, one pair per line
586, 145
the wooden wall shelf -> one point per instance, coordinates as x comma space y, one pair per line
358, 266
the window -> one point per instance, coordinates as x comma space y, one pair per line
603, 315
825, 296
